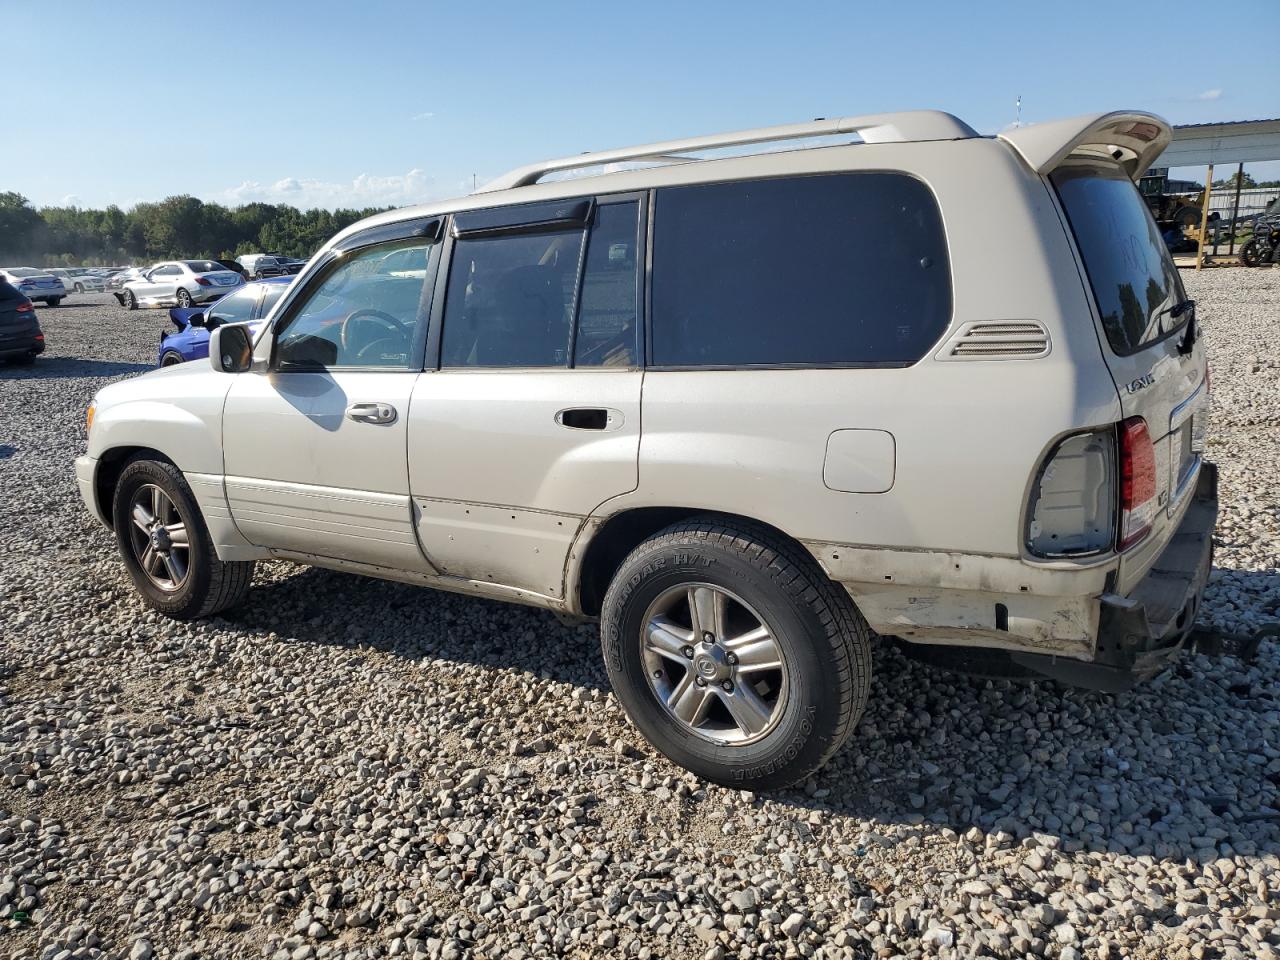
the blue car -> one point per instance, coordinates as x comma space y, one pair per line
252, 303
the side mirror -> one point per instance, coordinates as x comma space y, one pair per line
231, 348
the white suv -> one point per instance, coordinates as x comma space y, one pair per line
744, 410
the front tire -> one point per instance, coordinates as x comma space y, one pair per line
79, 288
166, 546
733, 653
130, 300
170, 359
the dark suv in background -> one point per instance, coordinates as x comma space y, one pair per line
20, 336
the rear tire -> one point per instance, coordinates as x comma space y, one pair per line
800, 710
184, 298
79, 288
183, 587
1254, 253
53, 301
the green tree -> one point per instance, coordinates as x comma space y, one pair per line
19, 223
1230, 182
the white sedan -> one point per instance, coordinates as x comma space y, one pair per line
181, 282
35, 284
79, 281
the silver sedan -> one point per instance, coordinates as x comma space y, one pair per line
181, 282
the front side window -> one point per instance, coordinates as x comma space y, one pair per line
510, 300
236, 308
361, 314
1132, 275
843, 269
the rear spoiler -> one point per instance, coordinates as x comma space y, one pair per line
1131, 138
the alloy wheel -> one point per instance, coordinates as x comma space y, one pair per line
714, 664
158, 536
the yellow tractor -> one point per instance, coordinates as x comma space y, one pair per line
1178, 217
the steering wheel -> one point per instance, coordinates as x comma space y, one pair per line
347, 337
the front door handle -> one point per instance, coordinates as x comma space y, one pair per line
371, 413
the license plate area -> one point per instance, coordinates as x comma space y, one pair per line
1185, 450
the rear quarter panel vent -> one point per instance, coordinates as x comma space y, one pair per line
997, 340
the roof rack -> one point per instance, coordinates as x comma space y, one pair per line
900, 127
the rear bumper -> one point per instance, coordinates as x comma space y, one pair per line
206, 294
1140, 634
20, 345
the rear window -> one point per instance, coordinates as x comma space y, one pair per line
203, 266
1133, 278
847, 269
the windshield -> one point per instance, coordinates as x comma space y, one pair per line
203, 266
1133, 278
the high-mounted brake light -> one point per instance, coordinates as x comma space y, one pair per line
1137, 482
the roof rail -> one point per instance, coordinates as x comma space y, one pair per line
900, 127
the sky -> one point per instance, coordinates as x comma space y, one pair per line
388, 102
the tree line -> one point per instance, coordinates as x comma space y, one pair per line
176, 227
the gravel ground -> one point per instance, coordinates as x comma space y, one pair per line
346, 768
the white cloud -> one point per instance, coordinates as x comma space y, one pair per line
422, 116
70, 200
1214, 94
365, 190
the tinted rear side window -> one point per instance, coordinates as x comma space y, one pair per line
836, 269
1133, 278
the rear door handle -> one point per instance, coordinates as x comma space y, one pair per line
589, 418
371, 413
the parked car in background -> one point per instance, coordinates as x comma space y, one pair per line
251, 303
180, 282
21, 339
36, 284
119, 277
235, 266
79, 280
260, 265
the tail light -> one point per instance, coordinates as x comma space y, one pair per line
203, 282
39, 338
1137, 482
1072, 510
25, 307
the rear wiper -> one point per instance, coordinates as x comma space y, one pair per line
1189, 338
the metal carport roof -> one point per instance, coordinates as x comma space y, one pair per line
1237, 141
